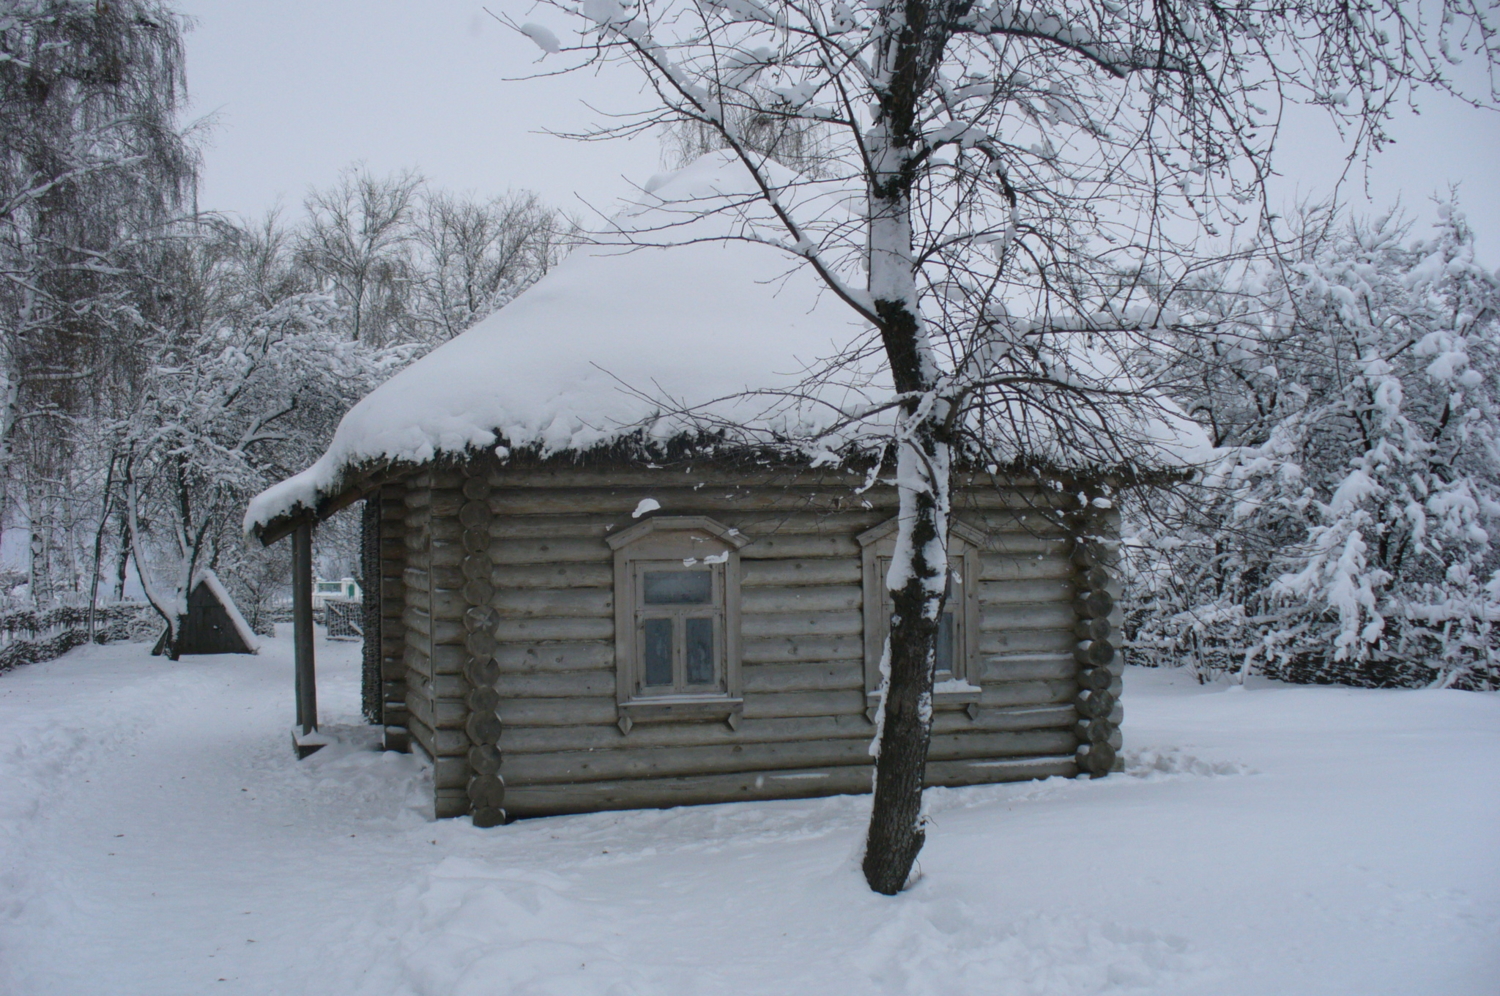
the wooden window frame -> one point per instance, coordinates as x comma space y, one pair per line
666, 541
965, 544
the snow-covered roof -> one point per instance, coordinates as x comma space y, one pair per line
589, 351
614, 336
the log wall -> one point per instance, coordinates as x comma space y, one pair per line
804, 730
497, 590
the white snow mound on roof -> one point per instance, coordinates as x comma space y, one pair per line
678, 310
587, 353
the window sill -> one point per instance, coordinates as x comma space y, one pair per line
681, 709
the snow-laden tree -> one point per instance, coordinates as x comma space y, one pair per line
1346, 531
990, 159
93, 167
248, 376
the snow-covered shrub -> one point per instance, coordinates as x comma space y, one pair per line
1344, 531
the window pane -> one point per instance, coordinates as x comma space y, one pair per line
700, 651
678, 587
658, 655
945, 647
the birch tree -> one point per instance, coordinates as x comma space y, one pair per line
1047, 160
93, 167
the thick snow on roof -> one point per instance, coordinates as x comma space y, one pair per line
591, 350
679, 311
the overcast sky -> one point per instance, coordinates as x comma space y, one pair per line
302, 88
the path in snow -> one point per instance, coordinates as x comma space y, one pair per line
157, 837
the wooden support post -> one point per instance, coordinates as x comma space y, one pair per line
302, 635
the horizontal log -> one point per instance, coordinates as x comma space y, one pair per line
572, 656
583, 797
847, 703
448, 631
831, 571
802, 624
825, 677
551, 551
1045, 717
1023, 567
556, 712
421, 734
566, 575
630, 761
658, 762
534, 739
448, 603
449, 658
449, 686
1027, 641
792, 546
556, 684
1027, 544
451, 772
1030, 521
438, 743
959, 773
1019, 693
441, 714
824, 598
418, 598
533, 630
661, 793
416, 620
983, 745
999, 593
445, 554
1028, 667
558, 602
449, 577
1037, 615
802, 649
667, 762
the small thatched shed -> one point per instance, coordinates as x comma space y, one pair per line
578, 601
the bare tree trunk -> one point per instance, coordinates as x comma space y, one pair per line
896, 832
919, 564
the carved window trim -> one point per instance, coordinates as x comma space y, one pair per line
667, 541
965, 544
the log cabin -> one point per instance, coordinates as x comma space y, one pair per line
595, 581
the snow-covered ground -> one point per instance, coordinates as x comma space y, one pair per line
157, 837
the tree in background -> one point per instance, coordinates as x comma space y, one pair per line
93, 169
473, 257
1053, 161
1344, 531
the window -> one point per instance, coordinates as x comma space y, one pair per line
677, 587
958, 666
